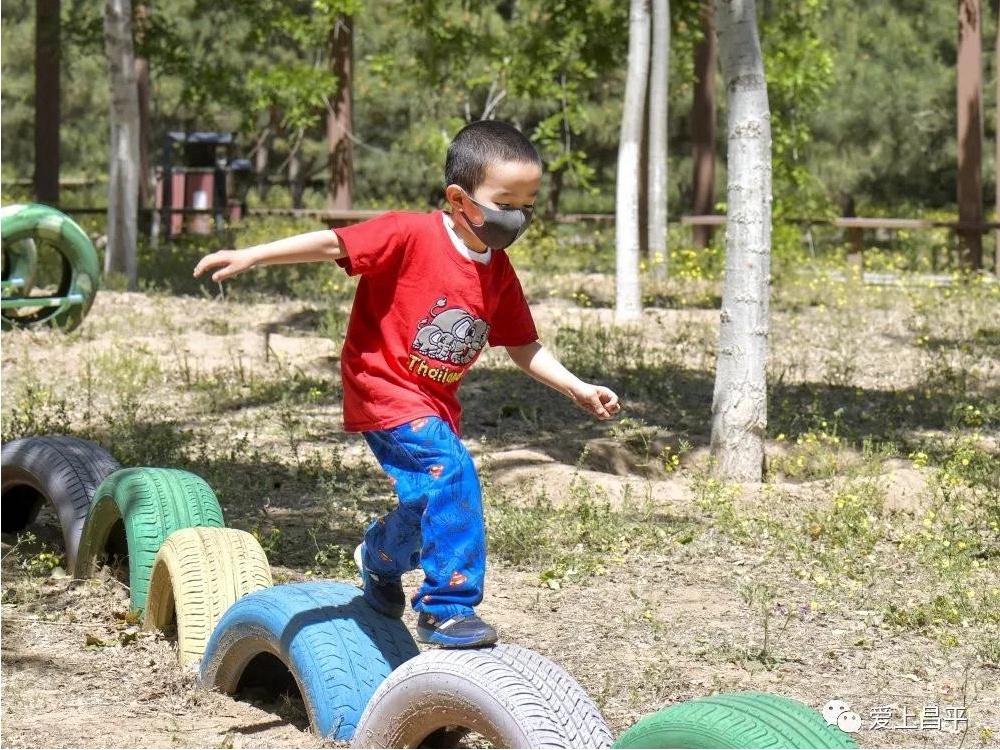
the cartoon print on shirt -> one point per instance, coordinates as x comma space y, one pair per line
450, 335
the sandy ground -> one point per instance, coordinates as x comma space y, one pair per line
647, 632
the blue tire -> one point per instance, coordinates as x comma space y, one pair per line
337, 648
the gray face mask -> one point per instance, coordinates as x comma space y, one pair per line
501, 226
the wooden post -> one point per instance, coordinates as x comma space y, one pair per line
970, 130
855, 238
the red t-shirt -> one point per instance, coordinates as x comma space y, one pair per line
422, 314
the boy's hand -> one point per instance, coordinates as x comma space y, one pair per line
600, 401
229, 262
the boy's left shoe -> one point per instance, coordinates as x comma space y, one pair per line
459, 631
382, 594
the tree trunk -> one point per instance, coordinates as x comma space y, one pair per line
263, 156
142, 84
340, 188
123, 174
658, 188
628, 304
47, 49
703, 124
739, 404
996, 160
970, 130
296, 184
644, 174
554, 193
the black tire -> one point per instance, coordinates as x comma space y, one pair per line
58, 469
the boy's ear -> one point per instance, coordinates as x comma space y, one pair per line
454, 194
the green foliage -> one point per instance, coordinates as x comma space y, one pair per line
862, 99
798, 64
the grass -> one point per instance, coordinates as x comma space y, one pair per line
583, 537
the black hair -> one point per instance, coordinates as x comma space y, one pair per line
480, 144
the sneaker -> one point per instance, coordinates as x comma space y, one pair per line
459, 631
383, 594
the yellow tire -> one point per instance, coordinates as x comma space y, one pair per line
197, 575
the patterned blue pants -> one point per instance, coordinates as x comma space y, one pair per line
438, 525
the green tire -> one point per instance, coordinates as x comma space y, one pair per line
150, 504
21, 259
736, 720
23, 229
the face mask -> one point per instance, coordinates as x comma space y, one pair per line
501, 226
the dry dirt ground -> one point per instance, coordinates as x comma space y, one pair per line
725, 596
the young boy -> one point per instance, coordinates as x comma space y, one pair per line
435, 288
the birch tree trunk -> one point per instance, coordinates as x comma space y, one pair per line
739, 404
703, 125
627, 300
123, 173
657, 190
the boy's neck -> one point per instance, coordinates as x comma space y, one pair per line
471, 241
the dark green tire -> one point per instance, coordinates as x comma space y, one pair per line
736, 720
33, 225
150, 504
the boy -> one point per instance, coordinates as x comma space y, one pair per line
435, 288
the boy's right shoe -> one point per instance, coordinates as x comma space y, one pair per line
460, 631
383, 594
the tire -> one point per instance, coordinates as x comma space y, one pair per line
64, 471
20, 259
336, 647
435, 699
80, 277
736, 720
151, 504
197, 575
583, 724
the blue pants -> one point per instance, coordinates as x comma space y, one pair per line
438, 524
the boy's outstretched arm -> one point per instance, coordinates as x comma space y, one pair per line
302, 248
540, 364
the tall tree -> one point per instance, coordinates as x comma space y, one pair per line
703, 124
659, 79
628, 303
970, 129
339, 125
123, 172
47, 55
739, 404
142, 83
